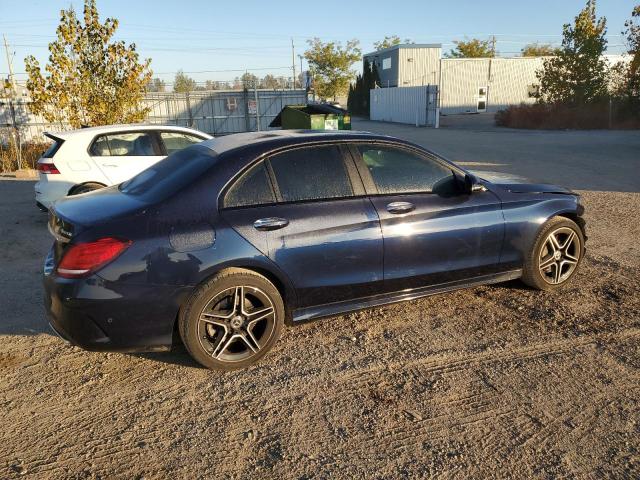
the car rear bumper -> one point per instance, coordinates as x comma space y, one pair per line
48, 191
109, 316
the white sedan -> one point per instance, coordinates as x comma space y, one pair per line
87, 159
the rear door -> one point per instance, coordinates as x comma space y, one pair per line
320, 228
122, 155
433, 231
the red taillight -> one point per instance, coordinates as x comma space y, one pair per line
84, 258
48, 168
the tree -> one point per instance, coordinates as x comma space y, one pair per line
578, 74
156, 85
473, 48
539, 50
632, 82
249, 80
388, 42
358, 99
183, 83
330, 64
270, 82
89, 79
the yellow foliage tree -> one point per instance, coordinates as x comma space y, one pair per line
89, 80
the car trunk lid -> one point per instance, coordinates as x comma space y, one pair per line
96, 207
71, 216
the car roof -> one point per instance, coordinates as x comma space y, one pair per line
271, 139
92, 131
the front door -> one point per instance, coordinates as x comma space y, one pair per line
481, 105
433, 232
319, 228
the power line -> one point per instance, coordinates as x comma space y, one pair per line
228, 70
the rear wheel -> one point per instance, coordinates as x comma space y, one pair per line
84, 188
233, 320
556, 255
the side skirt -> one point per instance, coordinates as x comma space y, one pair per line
337, 308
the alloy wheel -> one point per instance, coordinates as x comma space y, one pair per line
559, 255
236, 324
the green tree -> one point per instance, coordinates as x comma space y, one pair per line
358, 99
474, 48
632, 83
577, 74
183, 83
390, 41
539, 50
156, 85
249, 80
269, 82
89, 79
330, 64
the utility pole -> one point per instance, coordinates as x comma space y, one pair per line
301, 57
12, 100
293, 62
493, 45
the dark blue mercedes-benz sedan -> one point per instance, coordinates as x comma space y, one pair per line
226, 241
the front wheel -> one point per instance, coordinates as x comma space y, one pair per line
233, 320
555, 256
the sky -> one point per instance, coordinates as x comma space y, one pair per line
212, 40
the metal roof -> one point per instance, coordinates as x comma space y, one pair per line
404, 45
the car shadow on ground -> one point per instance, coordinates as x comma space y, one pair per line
178, 355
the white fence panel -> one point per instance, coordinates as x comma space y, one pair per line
412, 105
218, 112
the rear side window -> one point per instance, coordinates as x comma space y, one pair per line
132, 144
400, 171
311, 174
253, 188
174, 141
100, 147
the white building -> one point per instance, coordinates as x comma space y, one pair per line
466, 85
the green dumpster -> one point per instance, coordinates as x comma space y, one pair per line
312, 117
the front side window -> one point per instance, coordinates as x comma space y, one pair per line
134, 144
174, 141
253, 188
311, 174
395, 170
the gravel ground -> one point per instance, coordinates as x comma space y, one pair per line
489, 382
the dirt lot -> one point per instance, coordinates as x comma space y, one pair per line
497, 381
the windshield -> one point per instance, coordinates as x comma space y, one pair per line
170, 175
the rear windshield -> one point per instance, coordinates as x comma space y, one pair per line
53, 148
170, 175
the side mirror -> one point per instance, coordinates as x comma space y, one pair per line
471, 184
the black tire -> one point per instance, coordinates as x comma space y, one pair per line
246, 334
84, 188
552, 262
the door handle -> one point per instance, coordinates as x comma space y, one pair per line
400, 207
270, 223
109, 165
